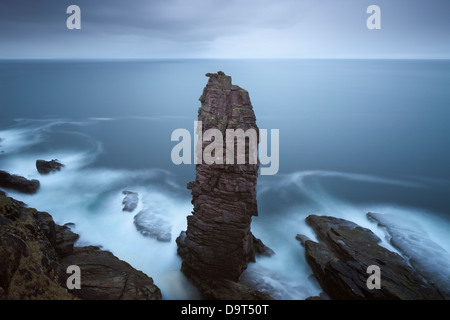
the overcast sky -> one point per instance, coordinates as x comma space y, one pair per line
225, 29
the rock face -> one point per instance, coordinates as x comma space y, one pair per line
218, 244
35, 253
18, 183
427, 257
45, 167
105, 277
131, 201
340, 263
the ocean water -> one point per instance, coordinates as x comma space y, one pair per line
355, 136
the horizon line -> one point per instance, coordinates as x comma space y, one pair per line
198, 59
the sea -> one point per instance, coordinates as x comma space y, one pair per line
355, 136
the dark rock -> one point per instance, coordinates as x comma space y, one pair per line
65, 240
45, 167
427, 257
150, 225
130, 201
218, 245
29, 265
259, 248
302, 238
35, 253
105, 277
18, 183
222, 289
340, 263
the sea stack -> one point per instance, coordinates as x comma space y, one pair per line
218, 244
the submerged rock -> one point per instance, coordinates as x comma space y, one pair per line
18, 183
45, 167
427, 257
218, 244
340, 261
130, 201
35, 252
149, 224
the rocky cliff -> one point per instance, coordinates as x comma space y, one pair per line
35, 253
218, 243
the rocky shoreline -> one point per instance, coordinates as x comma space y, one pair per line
35, 253
343, 254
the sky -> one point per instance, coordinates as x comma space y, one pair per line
225, 29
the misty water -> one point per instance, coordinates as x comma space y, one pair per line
356, 136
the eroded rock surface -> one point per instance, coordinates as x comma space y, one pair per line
218, 243
340, 260
35, 253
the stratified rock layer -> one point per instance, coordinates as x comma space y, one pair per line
218, 243
340, 261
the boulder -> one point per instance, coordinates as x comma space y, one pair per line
105, 277
45, 167
18, 183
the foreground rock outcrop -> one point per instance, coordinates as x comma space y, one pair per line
345, 251
18, 183
218, 243
108, 278
35, 253
426, 256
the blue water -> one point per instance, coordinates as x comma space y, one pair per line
355, 136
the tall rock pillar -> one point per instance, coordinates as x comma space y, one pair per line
218, 243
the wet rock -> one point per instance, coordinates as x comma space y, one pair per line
105, 277
35, 253
29, 265
130, 201
427, 257
218, 244
18, 183
150, 225
340, 261
45, 167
